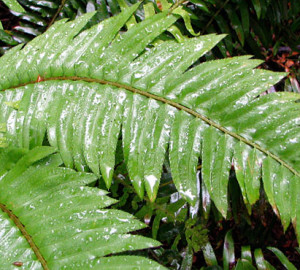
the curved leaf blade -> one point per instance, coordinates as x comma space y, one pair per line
14, 5
283, 259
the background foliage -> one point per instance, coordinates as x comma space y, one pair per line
191, 241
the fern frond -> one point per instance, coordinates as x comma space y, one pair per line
97, 84
51, 219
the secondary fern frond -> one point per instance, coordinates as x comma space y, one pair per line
51, 219
97, 84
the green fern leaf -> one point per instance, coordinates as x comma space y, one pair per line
97, 84
51, 219
14, 5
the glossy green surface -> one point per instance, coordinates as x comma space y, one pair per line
228, 251
110, 84
260, 261
244, 265
246, 253
14, 5
282, 258
209, 255
68, 221
234, 258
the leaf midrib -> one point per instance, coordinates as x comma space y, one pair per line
28, 238
171, 103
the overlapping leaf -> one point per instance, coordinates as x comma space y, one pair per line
97, 84
246, 260
51, 219
39, 14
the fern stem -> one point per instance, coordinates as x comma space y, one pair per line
63, 2
177, 4
165, 184
214, 16
173, 104
29, 239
